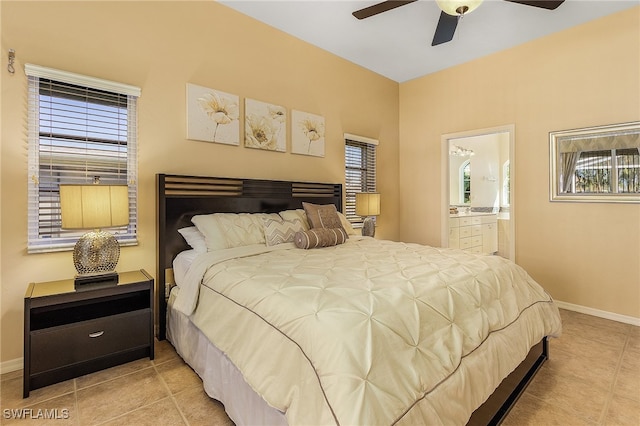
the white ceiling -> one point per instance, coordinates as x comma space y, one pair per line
397, 43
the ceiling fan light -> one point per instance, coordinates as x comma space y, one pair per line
457, 7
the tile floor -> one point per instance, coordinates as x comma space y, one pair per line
592, 378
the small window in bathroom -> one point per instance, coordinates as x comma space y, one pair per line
506, 195
465, 178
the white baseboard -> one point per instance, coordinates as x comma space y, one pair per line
598, 313
11, 365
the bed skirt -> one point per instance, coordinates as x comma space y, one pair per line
221, 379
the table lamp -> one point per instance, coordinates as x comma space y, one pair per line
96, 253
367, 205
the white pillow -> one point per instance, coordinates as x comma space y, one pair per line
194, 238
280, 231
227, 230
296, 214
302, 215
347, 225
182, 263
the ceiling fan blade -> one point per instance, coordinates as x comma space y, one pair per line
545, 4
446, 29
380, 7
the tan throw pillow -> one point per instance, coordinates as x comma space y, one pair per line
320, 237
322, 216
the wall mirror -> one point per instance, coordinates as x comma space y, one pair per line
596, 164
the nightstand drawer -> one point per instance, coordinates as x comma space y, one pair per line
62, 346
70, 330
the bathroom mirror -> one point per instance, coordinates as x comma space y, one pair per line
596, 164
479, 172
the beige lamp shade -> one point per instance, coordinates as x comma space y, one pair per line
367, 204
94, 206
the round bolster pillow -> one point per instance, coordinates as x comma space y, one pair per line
320, 237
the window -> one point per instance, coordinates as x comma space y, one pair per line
628, 170
465, 179
506, 184
596, 164
79, 129
601, 172
360, 172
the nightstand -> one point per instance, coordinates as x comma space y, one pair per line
69, 332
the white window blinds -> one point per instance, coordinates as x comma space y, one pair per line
360, 173
79, 129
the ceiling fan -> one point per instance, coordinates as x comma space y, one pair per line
451, 12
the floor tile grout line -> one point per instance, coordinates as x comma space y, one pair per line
542, 401
110, 379
116, 377
76, 407
58, 395
76, 388
166, 388
556, 404
614, 382
560, 406
10, 375
130, 412
171, 396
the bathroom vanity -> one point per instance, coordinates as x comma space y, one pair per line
476, 232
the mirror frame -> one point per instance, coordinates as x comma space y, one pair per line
602, 132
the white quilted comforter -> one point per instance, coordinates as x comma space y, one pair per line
370, 332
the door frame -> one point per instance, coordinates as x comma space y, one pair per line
445, 187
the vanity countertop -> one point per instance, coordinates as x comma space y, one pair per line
470, 214
501, 215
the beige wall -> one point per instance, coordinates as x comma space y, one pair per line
581, 77
160, 46
584, 254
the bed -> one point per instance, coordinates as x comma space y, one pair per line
362, 331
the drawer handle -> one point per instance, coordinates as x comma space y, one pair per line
96, 334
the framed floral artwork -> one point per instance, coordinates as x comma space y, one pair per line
265, 126
212, 115
307, 134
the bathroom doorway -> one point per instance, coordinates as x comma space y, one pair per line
478, 187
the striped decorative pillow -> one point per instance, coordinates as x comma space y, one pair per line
279, 231
320, 237
322, 215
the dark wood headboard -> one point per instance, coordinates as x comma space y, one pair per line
180, 197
